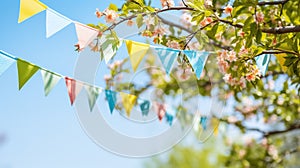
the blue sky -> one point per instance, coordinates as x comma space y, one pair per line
44, 131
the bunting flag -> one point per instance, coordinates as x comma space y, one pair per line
28, 8
73, 87
160, 110
281, 60
203, 122
5, 62
25, 71
262, 63
93, 94
215, 124
107, 49
128, 101
85, 34
167, 57
137, 52
55, 22
197, 60
145, 106
169, 118
111, 97
50, 80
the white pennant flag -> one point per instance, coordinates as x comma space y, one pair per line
55, 22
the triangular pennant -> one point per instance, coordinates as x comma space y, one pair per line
28, 8
169, 118
197, 60
111, 97
136, 52
203, 122
50, 80
160, 110
281, 60
93, 94
107, 50
167, 57
215, 124
128, 101
55, 22
5, 62
145, 106
25, 71
85, 34
73, 87
262, 63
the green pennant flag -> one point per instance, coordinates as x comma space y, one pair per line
93, 94
50, 80
25, 71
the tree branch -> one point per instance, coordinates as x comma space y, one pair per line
282, 30
272, 3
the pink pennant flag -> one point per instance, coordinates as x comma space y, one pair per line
85, 34
160, 110
74, 88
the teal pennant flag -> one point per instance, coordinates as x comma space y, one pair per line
111, 97
262, 63
203, 122
169, 118
145, 106
167, 57
197, 59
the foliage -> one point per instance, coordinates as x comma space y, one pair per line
239, 32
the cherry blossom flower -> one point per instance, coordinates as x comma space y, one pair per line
98, 13
259, 17
223, 66
231, 56
107, 77
173, 44
208, 3
110, 16
159, 31
232, 119
149, 21
250, 77
167, 3
228, 9
130, 22
241, 34
186, 20
206, 21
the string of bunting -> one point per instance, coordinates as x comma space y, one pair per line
50, 79
86, 34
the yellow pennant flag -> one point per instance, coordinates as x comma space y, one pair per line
128, 101
281, 60
215, 124
136, 52
28, 8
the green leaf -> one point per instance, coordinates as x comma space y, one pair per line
113, 7
139, 20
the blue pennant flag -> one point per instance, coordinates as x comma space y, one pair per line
262, 63
5, 62
111, 97
169, 118
203, 122
197, 60
167, 57
145, 106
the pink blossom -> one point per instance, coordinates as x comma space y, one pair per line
173, 44
232, 119
186, 19
223, 66
159, 31
231, 56
130, 22
250, 77
98, 13
259, 17
110, 16
206, 21
107, 77
149, 21
228, 9
243, 51
242, 82
167, 3
241, 34
208, 3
